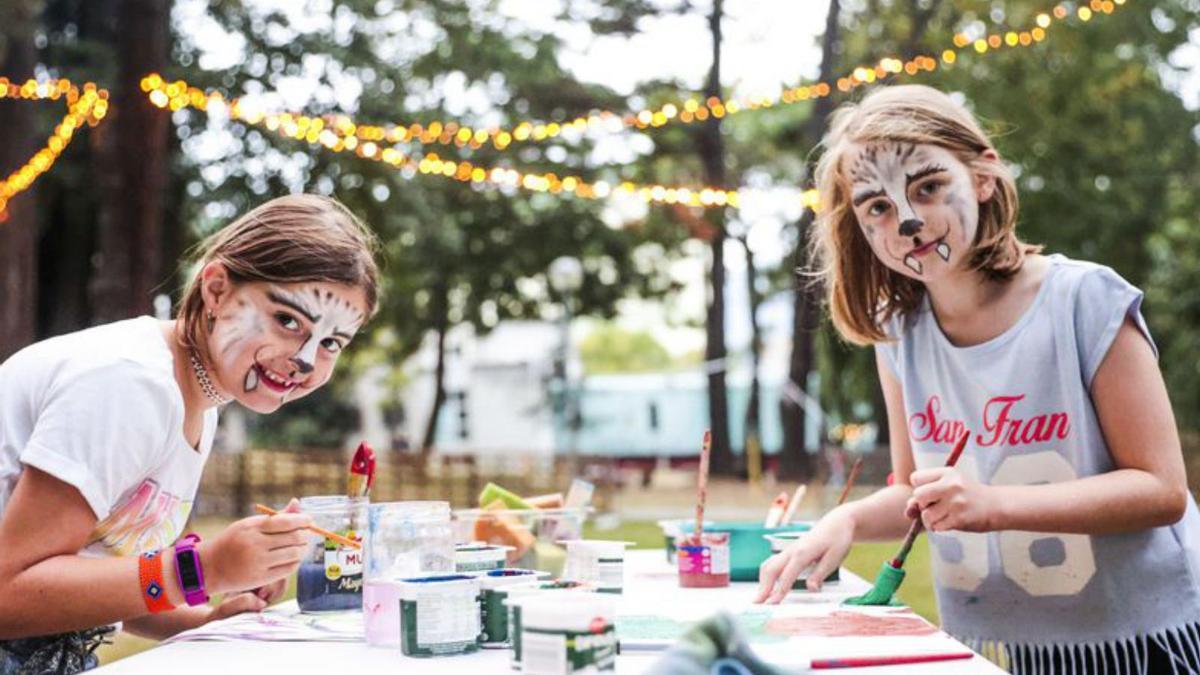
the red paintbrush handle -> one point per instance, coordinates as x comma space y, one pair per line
867, 661
958, 448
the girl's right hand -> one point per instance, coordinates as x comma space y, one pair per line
823, 547
255, 551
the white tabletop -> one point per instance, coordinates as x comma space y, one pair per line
650, 589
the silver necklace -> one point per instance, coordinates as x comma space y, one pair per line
206, 384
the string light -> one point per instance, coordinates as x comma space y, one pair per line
343, 135
696, 110
340, 133
86, 105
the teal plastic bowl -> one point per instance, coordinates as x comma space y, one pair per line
748, 546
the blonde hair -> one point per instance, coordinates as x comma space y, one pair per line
286, 240
863, 293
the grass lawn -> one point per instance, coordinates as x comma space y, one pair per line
864, 560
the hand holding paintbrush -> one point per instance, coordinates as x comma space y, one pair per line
892, 573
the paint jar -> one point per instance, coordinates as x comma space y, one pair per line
496, 585
404, 539
479, 557
672, 529
781, 540
519, 594
330, 577
703, 563
566, 634
597, 561
439, 615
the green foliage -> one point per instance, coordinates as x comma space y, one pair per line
611, 349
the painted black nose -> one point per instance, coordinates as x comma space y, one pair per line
910, 227
303, 366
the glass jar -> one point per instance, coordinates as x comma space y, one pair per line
330, 577
404, 539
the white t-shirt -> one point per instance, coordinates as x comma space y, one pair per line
100, 409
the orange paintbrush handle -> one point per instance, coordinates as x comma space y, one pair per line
344, 541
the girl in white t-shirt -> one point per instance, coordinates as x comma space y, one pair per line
104, 434
1065, 539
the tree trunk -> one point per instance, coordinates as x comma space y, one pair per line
712, 156
441, 305
18, 222
131, 166
794, 461
752, 412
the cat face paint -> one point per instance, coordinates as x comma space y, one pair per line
916, 205
277, 342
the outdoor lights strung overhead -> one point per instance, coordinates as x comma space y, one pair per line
86, 105
339, 133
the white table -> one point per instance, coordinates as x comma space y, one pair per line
649, 586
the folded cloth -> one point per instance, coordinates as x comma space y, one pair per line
714, 646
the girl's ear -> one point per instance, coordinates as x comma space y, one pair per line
215, 286
985, 182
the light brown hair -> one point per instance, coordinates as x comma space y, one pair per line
863, 293
286, 240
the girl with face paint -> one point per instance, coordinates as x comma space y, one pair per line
1065, 539
104, 434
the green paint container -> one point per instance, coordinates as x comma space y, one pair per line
496, 585
568, 633
477, 557
439, 615
518, 595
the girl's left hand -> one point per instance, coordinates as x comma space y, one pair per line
236, 603
272, 591
947, 500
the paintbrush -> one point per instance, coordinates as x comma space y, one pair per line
344, 541
892, 572
793, 505
702, 484
854, 471
362, 471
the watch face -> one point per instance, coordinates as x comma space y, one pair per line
186, 560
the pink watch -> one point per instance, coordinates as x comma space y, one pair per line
189, 571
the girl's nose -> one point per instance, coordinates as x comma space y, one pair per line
910, 227
303, 366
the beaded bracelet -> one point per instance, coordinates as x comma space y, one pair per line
150, 578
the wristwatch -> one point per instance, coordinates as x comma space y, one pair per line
189, 570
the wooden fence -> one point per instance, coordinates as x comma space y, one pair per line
233, 483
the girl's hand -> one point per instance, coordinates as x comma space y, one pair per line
272, 591
257, 551
824, 545
236, 603
947, 500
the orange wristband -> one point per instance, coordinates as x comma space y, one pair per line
150, 578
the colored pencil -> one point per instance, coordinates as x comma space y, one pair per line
702, 483
868, 661
344, 541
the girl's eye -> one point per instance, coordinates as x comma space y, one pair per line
287, 321
929, 188
331, 345
878, 208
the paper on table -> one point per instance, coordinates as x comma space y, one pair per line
282, 623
